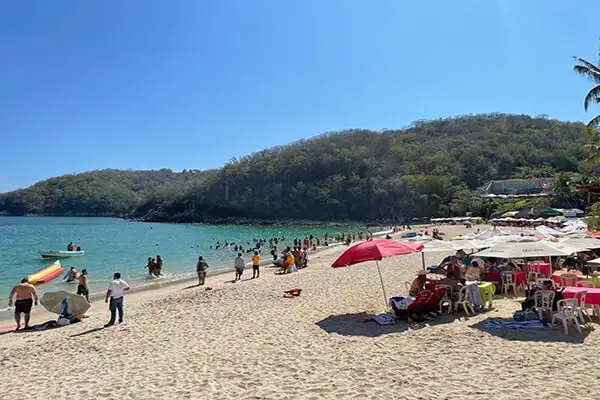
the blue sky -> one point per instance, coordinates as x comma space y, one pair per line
190, 84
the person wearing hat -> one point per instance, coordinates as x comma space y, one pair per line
418, 284
201, 267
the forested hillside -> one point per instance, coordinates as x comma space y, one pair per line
107, 192
427, 169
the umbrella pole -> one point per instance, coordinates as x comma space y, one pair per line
382, 286
423, 259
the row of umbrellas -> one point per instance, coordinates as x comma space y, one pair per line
497, 246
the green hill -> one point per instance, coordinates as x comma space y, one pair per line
427, 169
108, 192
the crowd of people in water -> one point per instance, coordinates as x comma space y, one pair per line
292, 258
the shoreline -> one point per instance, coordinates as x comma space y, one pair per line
225, 221
160, 285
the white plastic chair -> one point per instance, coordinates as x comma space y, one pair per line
543, 302
566, 312
464, 302
509, 280
568, 279
581, 311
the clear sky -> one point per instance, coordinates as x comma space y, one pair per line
152, 84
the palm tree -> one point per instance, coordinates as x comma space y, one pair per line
594, 151
592, 72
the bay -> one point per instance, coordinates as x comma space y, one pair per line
118, 245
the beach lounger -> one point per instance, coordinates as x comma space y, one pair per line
433, 304
417, 307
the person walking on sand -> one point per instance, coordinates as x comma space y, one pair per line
115, 292
26, 295
239, 265
82, 287
255, 265
201, 267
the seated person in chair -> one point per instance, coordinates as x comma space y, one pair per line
418, 284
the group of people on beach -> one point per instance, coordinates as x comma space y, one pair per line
25, 296
154, 266
290, 260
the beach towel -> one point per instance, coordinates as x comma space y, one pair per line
384, 319
514, 325
473, 295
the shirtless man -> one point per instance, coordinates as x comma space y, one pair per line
82, 287
24, 293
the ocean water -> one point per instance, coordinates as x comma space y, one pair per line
117, 245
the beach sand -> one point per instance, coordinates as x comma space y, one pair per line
246, 341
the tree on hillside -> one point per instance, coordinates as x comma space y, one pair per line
592, 72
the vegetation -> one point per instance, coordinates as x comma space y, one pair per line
429, 169
592, 72
107, 192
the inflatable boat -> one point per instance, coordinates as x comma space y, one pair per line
60, 254
46, 274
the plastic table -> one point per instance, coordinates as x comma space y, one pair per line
592, 297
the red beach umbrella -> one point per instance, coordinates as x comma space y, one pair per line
375, 250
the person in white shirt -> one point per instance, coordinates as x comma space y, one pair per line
115, 292
239, 267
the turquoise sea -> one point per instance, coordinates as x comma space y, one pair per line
119, 245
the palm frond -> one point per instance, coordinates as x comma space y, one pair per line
593, 125
587, 70
593, 95
592, 158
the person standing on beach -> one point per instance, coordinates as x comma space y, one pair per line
115, 292
24, 293
255, 265
201, 267
239, 265
82, 287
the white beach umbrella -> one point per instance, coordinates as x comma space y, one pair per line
588, 243
469, 244
570, 248
523, 250
594, 261
511, 239
438, 246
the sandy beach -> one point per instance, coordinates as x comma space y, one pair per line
246, 341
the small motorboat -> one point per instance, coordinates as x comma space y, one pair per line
61, 254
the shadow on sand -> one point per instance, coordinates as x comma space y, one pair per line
362, 324
87, 332
546, 334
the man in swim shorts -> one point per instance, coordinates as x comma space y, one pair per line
26, 295
82, 287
